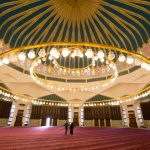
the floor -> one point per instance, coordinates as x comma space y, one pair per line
53, 138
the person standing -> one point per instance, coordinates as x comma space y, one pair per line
71, 128
66, 127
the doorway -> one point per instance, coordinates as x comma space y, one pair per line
76, 119
96, 122
48, 122
132, 119
19, 117
108, 123
102, 124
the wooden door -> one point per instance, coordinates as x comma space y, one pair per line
96, 123
102, 123
108, 123
76, 119
132, 120
43, 123
55, 122
19, 117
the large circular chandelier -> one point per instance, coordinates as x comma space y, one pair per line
98, 56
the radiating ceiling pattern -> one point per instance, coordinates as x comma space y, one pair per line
124, 24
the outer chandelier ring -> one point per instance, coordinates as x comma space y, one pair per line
94, 45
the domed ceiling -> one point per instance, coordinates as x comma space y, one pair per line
118, 23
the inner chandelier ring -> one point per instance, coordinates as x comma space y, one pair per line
85, 86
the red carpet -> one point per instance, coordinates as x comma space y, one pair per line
49, 138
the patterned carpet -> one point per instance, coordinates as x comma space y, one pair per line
53, 138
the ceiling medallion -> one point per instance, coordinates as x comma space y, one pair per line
79, 10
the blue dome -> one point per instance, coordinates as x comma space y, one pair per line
124, 24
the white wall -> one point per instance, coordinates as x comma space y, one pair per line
116, 123
61, 122
35, 122
3, 122
89, 123
147, 123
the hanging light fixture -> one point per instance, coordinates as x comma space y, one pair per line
100, 54
22, 56
89, 53
145, 66
137, 62
122, 58
111, 55
102, 60
95, 58
5, 60
42, 52
65, 52
129, 60
81, 55
50, 57
54, 53
31, 54
1, 62
72, 55
77, 52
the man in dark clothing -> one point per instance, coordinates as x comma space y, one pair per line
71, 128
66, 127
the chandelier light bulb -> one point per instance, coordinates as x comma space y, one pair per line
31, 54
81, 55
148, 67
65, 52
72, 55
22, 56
111, 55
102, 60
122, 58
129, 60
145, 66
77, 52
57, 55
39, 61
89, 53
50, 57
137, 62
12, 57
1, 62
54, 53
100, 54
44, 59
42, 53
95, 58
5, 61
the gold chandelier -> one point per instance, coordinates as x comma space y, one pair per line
100, 55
